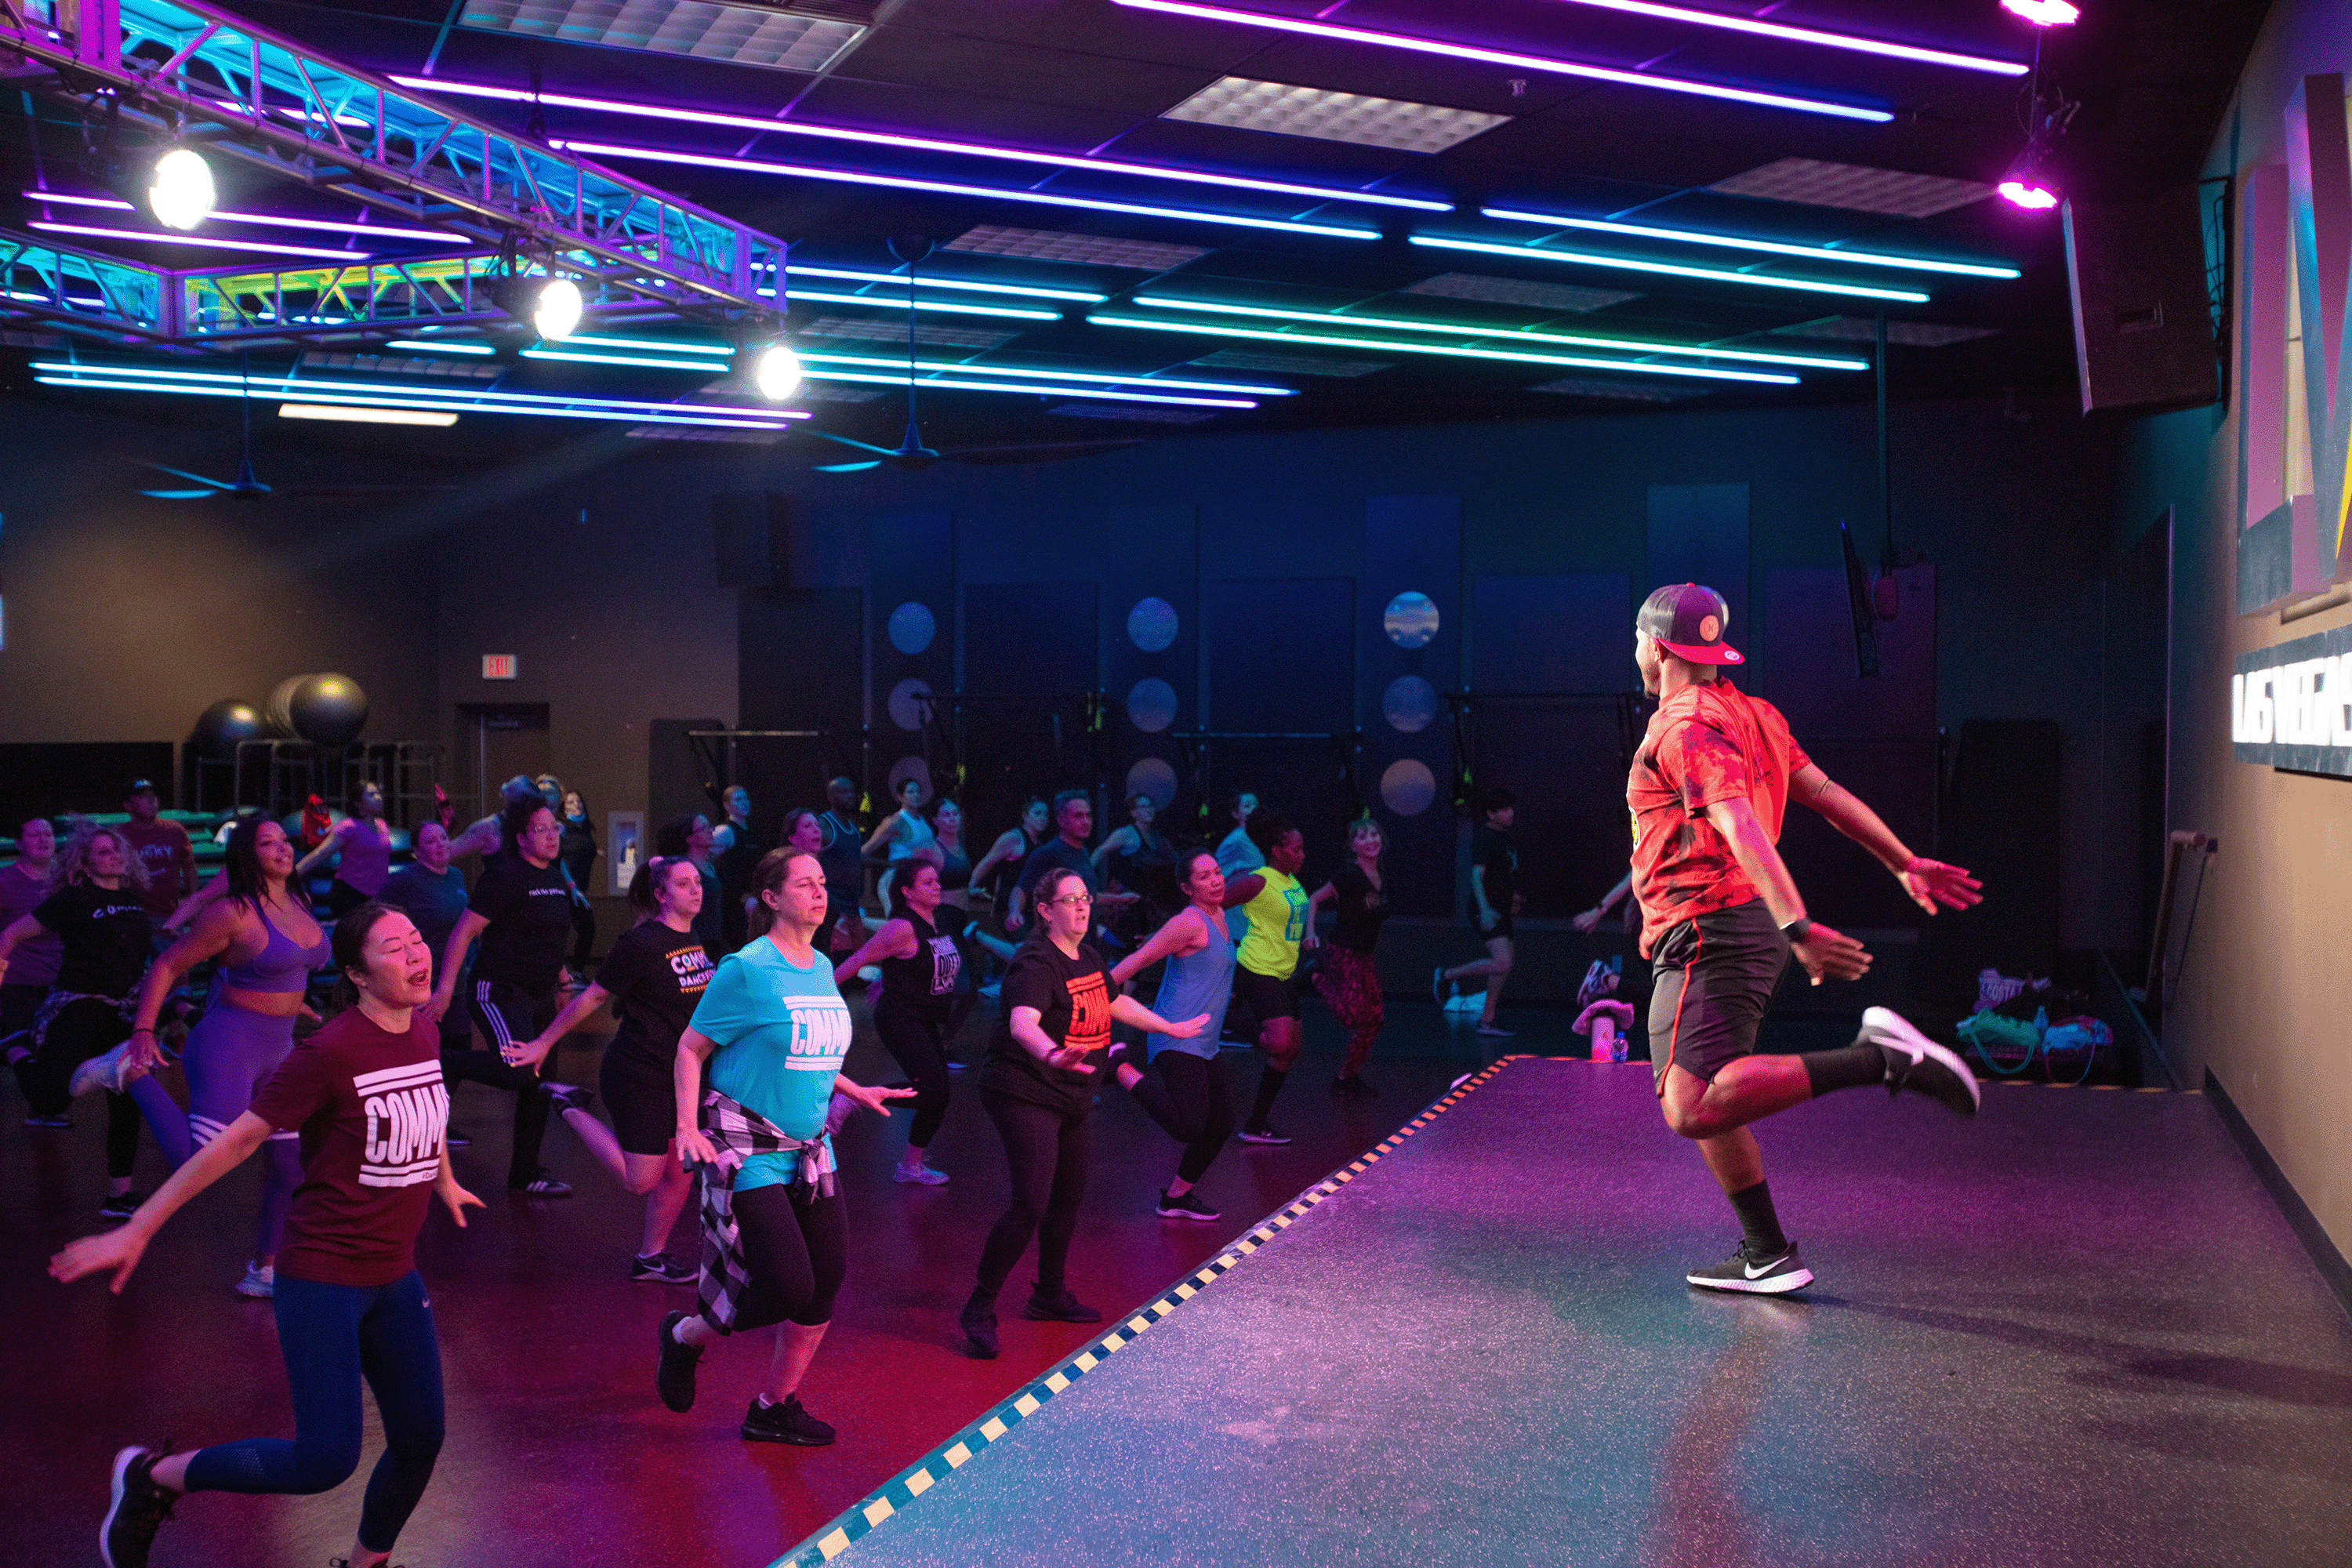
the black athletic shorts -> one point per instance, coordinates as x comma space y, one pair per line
1714, 977
641, 1099
1502, 926
1266, 997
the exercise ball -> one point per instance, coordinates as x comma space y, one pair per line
329, 708
220, 727
277, 708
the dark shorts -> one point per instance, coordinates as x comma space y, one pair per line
1714, 979
1266, 997
641, 1099
1501, 927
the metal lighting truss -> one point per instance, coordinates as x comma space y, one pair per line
186, 68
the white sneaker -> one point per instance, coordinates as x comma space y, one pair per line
1915, 1063
100, 1073
260, 1284
925, 1176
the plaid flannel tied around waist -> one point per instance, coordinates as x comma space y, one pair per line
732, 1127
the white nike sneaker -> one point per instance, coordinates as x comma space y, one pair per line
100, 1073
1744, 1271
1918, 1064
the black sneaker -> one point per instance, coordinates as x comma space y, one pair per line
1058, 1306
787, 1423
674, 1372
1744, 1271
1186, 1207
1438, 986
1352, 1088
138, 1509
660, 1269
454, 1139
120, 1207
1918, 1064
567, 1097
542, 1185
58, 1123
1262, 1135
979, 1323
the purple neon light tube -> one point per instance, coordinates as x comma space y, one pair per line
917, 143
1787, 33
1505, 58
198, 240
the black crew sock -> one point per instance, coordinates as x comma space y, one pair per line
1269, 1084
1857, 1066
1758, 1223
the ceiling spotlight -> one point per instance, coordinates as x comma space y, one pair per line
2031, 195
181, 194
775, 370
2044, 13
555, 312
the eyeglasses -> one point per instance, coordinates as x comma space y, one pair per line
1078, 898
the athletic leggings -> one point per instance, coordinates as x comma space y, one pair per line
1187, 1096
918, 1041
230, 1054
506, 1014
89, 1027
333, 1336
1351, 983
796, 1254
1049, 1151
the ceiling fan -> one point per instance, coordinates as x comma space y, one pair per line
248, 485
912, 454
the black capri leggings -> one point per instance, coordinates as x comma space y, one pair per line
82, 1030
1187, 1096
1049, 1151
796, 1253
918, 1041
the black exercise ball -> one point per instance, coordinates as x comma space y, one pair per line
328, 709
220, 727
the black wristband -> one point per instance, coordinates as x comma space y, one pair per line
1797, 930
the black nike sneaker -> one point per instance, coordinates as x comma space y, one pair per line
1915, 1063
1745, 1272
138, 1509
787, 1423
674, 1372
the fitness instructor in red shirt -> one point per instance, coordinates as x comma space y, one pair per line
1720, 917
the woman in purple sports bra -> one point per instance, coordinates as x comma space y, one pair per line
365, 839
266, 944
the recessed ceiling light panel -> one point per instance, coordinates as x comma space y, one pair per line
1369, 121
1517, 291
770, 36
1136, 412
895, 332
1585, 386
1854, 187
1863, 330
1084, 249
1292, 365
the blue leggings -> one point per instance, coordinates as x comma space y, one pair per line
333, 1336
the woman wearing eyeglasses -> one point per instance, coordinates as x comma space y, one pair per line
1037, 1085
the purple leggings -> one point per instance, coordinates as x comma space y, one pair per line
230, 1054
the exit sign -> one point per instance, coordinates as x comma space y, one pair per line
497, 667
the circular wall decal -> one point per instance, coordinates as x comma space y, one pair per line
1410, 704
1151, 625
1151, 705
1155, 778
1411, 620
909, 703
1408, 787
912, 627
902, 770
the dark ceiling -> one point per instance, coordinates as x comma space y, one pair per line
1091, 77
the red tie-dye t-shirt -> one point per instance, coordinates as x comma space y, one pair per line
1706, 743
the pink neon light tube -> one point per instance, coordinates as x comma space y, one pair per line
1505, 58
1783, 31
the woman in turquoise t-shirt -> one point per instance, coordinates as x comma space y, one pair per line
773, 1028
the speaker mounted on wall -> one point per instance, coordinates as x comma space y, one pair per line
747, 527
2143, 325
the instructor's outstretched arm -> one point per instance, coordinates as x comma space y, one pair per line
1825, 953
1930, 882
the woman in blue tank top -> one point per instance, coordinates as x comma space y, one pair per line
1184, 1091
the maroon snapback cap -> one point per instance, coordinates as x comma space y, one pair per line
1688, 620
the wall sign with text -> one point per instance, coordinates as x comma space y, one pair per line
2291, 706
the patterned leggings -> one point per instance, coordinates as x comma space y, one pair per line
1351, 983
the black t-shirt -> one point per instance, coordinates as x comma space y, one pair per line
1491, 848
737, 862
106, 933
1073, 998
530, 910
579, 849
925, 983
656, 975
1361, 907
1055, 851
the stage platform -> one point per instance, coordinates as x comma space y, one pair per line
2073, 1331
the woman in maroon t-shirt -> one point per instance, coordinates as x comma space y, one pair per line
365, 1093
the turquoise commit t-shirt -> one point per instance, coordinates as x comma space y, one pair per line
782, 1033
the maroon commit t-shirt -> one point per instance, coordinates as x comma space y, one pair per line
371, 1110
170, 861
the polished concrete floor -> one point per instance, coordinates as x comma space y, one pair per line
2072, 1332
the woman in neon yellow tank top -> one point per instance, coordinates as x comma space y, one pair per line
1279, 927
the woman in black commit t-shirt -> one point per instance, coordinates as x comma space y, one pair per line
922, 970
1348, 977
653, 977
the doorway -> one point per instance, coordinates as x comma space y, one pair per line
496, 741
